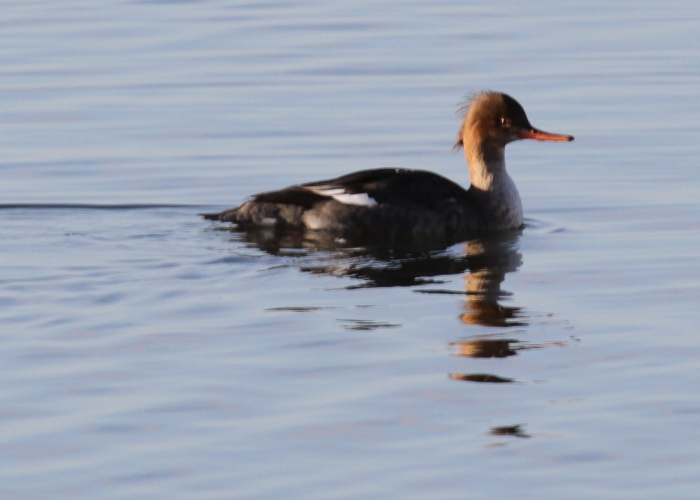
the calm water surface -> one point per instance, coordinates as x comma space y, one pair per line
147, 353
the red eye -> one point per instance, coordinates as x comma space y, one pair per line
505, 122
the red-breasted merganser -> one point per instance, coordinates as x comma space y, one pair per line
413, 202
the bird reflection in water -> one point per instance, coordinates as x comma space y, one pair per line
391, 262
491, 260
375, 262
422, 264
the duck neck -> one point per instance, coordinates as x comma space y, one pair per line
492, 185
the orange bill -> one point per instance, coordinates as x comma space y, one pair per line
540, 135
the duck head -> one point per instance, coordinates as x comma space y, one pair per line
495, 119
492, 120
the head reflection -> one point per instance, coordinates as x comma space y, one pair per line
490, 260
486, 348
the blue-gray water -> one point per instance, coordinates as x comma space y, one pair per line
147, 353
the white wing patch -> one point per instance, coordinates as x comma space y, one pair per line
356, 199
339, 194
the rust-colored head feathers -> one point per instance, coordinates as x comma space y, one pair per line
497, 118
